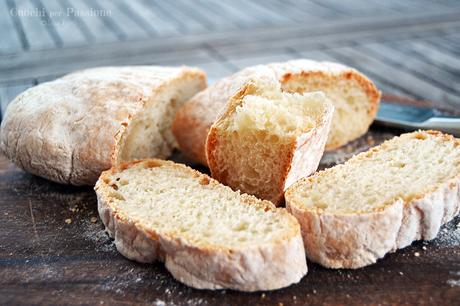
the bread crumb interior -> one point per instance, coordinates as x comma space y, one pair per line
176, 203
404, 167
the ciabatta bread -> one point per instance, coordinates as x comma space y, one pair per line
266, 139
71, 129
379, 201
209, 236
354, 96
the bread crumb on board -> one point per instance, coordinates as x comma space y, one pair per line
68, 221
416, 254
93, 219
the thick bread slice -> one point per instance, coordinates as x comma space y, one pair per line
71, 129
266, 140
208, 235
380, 200
354, 96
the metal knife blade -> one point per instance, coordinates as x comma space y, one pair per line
414, 117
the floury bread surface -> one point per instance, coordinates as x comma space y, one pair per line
353, 95
71, 129
209, 236
379, 201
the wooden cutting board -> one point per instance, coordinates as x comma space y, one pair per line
53, 250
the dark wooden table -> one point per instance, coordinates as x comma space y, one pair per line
53, 249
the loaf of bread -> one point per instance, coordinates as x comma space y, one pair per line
209, 236
354, 96
266, 139
379, 201
71, 129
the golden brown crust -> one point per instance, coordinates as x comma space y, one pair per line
286, 161
190, 131
213, 141
307, 148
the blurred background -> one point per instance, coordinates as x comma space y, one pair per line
410, 48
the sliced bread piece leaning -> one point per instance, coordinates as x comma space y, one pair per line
354, 96
380, 200
266, 139
208, 235
71, 129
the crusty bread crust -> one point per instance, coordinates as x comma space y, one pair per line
266, 266
68, 130
303, 69
357, 240
301, 158
195, 118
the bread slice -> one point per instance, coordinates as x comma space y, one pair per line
354, 96
380, 200
209, 236
71, 129
266, 140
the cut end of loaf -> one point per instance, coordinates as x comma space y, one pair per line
154, 191
405, 167
208, 235
250, 148
354, 96
149, 133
